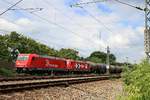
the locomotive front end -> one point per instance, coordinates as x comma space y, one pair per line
22, 62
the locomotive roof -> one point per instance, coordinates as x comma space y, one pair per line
51, 57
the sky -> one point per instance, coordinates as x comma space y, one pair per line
87, 28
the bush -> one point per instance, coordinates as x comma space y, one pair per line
6, 72
137, 82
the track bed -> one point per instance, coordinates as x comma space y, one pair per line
30, 84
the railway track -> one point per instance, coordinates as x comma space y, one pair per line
21, 78
31, 84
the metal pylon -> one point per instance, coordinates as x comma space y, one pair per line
147, 28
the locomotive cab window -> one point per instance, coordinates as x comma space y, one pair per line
33, 58
23, 58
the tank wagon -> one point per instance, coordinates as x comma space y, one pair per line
115, 69
34, 63
98, 68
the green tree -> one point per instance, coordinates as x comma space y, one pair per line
24, 44
112, 58
69, 53
4, 53
100, 57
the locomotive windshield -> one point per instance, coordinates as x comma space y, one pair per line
23, 58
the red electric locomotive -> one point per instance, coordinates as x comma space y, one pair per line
73, 65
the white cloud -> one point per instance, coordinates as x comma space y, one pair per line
24, 22
6, 25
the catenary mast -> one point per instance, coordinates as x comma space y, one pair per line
147, 28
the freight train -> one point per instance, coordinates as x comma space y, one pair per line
34, 63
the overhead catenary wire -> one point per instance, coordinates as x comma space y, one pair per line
97, 20
86, 3
11, 7
59, 10
125, 3
47, 2
92, 2
129, 5
52, 22
92, 16
30, 9
58, 45
39, 40
58, 25
8, 31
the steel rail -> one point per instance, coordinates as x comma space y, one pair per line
31, 84
20, 78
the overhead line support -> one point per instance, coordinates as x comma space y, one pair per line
147, 28
11, 7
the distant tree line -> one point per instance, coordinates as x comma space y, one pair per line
14, 43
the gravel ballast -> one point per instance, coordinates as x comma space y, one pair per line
99, 90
